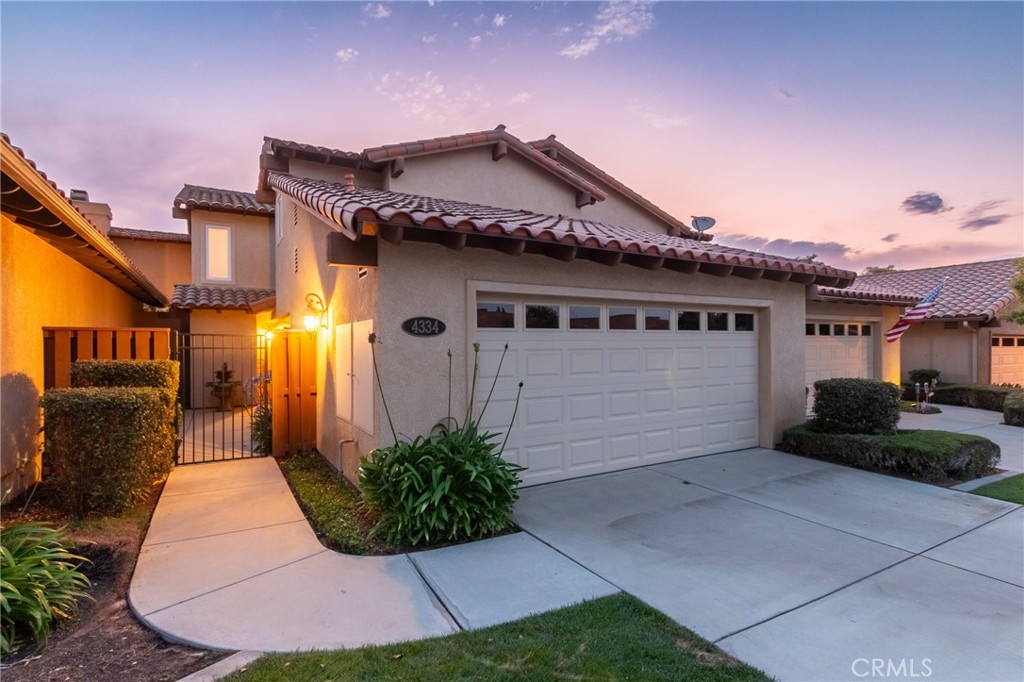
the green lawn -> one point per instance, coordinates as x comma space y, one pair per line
615, 638
1009, 489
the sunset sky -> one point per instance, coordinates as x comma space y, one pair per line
865, 133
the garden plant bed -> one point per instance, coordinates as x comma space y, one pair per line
335, 508
103, 641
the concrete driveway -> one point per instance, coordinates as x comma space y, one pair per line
807, 570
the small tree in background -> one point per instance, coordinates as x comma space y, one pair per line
1017, 314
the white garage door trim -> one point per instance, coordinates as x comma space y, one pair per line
605, 399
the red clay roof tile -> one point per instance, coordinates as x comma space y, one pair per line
973, 291
194, 196
342, 205
192, 296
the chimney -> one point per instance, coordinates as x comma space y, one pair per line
350, 180
96, 213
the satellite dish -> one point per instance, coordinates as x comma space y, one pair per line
702, 223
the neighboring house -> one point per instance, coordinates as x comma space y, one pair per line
638, 340
58, 270
229, 297
844, 333
165, 256
962, 335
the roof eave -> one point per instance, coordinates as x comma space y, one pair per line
21, 171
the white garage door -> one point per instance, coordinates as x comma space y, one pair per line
838, 349
616, 385
1008, 360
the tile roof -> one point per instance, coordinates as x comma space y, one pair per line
194, 196
377, 158
148, 235
973, 291
865, 294
36, 203
550, 144
222, 298
348, 206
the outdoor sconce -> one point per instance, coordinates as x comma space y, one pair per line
315, 316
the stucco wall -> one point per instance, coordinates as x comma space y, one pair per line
348, 299
616, 209
252, 244
422, 279
164, 263
929, 345
41, 287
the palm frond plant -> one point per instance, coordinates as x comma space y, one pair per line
40, 582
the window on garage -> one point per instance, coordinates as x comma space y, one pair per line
542, 316
657, 319
824, 330
622, 318
495, 315
718, 322
744, 322
809, 329
688, 321
584, 317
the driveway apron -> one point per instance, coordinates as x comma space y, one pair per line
808, 570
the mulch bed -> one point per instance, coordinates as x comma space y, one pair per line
104, 641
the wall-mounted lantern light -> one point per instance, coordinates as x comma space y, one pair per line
315, 316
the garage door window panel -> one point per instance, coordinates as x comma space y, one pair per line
542, 316
657, 320
688, 321
495, 315
584, 318
718, 322
621, 318
744, 322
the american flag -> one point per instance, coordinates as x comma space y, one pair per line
915, 314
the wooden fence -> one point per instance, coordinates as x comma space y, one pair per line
293, 392
64, 345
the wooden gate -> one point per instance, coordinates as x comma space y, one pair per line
293, 392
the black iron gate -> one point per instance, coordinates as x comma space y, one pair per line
224, 397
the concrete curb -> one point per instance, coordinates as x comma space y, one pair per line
223, 667
978, 482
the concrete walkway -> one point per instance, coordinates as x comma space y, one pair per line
230, 562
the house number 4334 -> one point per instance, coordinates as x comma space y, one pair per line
423, 326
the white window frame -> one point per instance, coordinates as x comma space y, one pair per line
230, 253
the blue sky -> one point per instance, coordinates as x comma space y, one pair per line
867, 133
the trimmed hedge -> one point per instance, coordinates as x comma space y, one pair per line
856, 406
153, 373
982, 397
924, 455
105, 446
1013, 409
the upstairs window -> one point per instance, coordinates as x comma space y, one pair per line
218, 253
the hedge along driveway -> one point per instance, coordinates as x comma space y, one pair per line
1010, 439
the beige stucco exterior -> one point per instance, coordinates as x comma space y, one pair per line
34, 298
962, 351
252, 248
165, 263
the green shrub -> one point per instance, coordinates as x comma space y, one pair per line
441, 488
980, 396
448, 486
40, 581
152, 373
1013, 409
921, 376
159, 374
262, 433
922, 454
856, 406
105, 446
